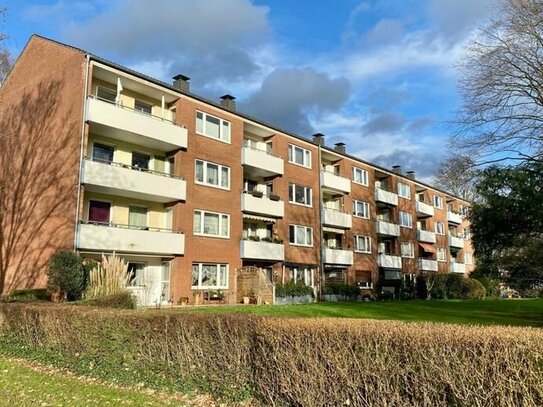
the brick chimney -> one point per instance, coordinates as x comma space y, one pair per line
340, 147
410, 174
181, 82
318, 138
228, 102
397, 169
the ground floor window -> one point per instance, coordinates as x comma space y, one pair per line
301, 275
334, 275
165, 282
363, 279
212, 276
136, 272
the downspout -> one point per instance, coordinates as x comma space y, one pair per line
321, 234
81, 152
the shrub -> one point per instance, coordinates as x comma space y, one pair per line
492, 286
122, 300
451, 286
108, 277
33, 294
68, 273
292, 289
342, 289
472, 290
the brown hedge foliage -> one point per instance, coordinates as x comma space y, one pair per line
293, 362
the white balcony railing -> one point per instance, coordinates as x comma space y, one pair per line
456, 242
338, 256
331, 217
128, 125
426, 236
124, 239
387, 229
453, 217
427, 265
424, 210
124, 180
262, 250
387, 197
262, 205
265, 163
457, 268
389, 261
335, 183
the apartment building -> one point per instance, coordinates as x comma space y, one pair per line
189, 191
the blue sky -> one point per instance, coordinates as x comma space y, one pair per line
378, 75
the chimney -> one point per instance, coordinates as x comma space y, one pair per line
410, 174
181, 82
340, 147
397, 169
318, 138
228, 102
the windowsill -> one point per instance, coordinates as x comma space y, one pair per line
404, 197
210, 287
299, 204
361, 217
361, 252
300, 165
211, 186
214, 138
212, 236
301, 245
406, 227
407, 257
360, 183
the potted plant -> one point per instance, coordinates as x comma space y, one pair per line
183, 301
257, 194
274, 197
246, 300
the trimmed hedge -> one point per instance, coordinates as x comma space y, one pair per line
292, 289
286, 362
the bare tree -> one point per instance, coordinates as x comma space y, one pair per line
458, 175
5, 56
501, 118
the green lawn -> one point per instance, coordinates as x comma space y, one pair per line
21, 385
488, 312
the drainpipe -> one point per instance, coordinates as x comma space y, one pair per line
81, 152
321, 234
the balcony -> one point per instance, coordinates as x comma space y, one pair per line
125, 124
456, 242
262, 250
338, 219
454, 218
424, 210
338, 256
386, 197
426, 236
389, 262
123, 239
263, 163
335, 183
387, 229
427, 265
262, 205
457, 268
123, 180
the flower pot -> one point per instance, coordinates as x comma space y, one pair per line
246, 300
58, 297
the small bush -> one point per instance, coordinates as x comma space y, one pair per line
451, 286
68, 273
33, 294
121, 300
108, 277
473, 290
342, 289
292, 289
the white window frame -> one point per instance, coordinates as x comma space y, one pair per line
365, 205
468, 258
401, 189
306, 229
292, 189
443, 252
366, 239
436, 228
364, 175
308, 275
221, 226
219, 179
437, 201
222, 122
409, 216
210, 287
410, 253
306, 156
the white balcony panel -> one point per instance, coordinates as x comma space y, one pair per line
262, 250
119, 181
264, 163
387, 229
426, 236
427, 265
454, 218
337, 256
456, 242
389, 262
335, 183
124, 240
424, 210
137, 128
387, 197
337, 219
262, 206
457, 268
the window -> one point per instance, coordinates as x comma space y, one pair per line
360, 176
302, 275
299, 155
210, 174
468, 258
212, 126
299, 194
406, 220
438, 201
211, 224
408, 250
362, 244
361, 209
136, 272
440, 228
143, 107
137, 217
99, 212
106, 94
209, 275
404, 190
464, 210
102, 153
441, 254
165, 294
301, 235
140, 161
466, 234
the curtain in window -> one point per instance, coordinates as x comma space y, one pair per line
225, 225
199, 122
299, 155
99, 211
197, 222
300, 235
225, 179
195, 275
209, 275
137, 216
299, 193
212, 126
199, 171
212, 174
223, 282
299, 276
309, 237
102, 153
211, 224
226, 131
